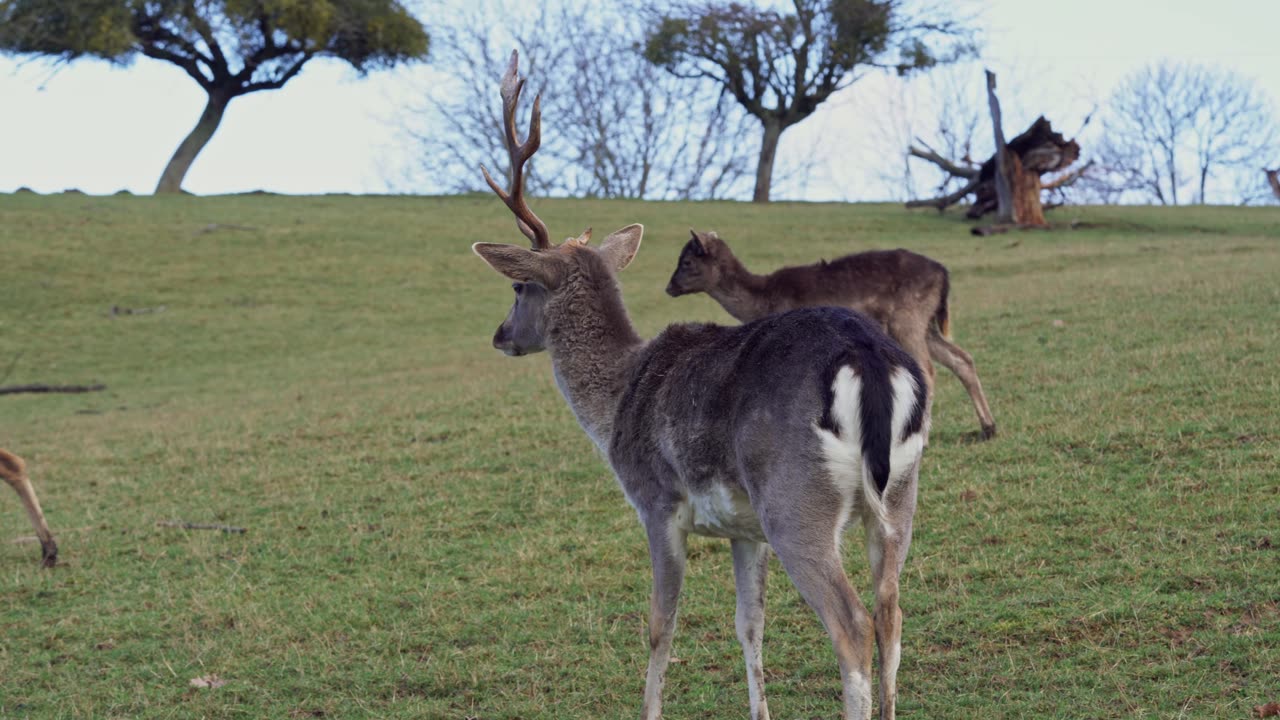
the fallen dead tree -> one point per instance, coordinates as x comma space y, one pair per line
1009, 182
1038, 151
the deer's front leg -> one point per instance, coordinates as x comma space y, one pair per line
667, 554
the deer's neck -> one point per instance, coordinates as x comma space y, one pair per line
592, 343
742, 293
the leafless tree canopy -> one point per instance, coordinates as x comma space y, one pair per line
1177, 133
622, 128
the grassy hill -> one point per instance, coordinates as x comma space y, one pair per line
431, 535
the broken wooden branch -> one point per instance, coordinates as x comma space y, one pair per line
942, 203
40, 388
118, 310
9, 370
987, 230
182, 525
933, 157
1070, 178
214, 227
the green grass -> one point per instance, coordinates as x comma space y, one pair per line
431, 535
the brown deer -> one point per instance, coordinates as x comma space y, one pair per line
903, 291
14, 472
777, 433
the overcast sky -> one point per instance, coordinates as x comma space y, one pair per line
101, 128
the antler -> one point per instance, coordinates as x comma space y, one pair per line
519, 153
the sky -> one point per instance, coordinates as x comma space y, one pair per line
101, 129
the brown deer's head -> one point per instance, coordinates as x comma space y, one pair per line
543, 273
700, 265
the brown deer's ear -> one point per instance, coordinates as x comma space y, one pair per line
696, 240
517, 263
620, 248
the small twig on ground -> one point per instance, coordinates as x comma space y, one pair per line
181, 525
987, 230
12, 365
117, 310
214, 227
40, 388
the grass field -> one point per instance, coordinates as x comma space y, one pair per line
430, 535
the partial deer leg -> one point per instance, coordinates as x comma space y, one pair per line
13, 470
887, 546
961, 363
667, 555
812, 561
750, 565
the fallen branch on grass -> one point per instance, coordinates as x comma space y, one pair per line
117, 310
181, 525
40, 388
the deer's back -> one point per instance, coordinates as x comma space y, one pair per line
880, 283
710, 406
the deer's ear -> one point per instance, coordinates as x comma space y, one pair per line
515, 262
696, 241
620, 248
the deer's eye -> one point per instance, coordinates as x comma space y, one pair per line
517, 287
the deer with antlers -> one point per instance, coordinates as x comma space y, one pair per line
903, 291
779, 433
14, 472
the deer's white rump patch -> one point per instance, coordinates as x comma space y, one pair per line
904, 453
842, 450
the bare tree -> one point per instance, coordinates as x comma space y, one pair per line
1175, 133
630, 130
780, 66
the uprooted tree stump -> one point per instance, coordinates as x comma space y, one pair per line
1038, 151
1020, 162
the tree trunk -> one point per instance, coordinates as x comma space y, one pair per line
768, 149
1004, 192
1273, 179
174, 173
1027, 210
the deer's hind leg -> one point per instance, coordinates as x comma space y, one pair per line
806, 542
13, 471
887, 546
955, 359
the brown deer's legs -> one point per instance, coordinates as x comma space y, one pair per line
750, 566
667, 555
13, 470
960, 362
